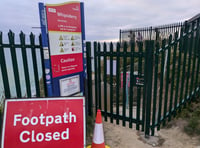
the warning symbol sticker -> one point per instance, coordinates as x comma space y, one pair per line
61, 38
61, 44
61, 50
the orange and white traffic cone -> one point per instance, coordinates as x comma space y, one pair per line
98, 136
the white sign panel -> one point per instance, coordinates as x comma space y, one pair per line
70, 85
62, 43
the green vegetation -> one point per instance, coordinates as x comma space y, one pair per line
191, 115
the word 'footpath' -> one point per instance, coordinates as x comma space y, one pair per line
44, 120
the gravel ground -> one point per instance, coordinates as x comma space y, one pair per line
117, 136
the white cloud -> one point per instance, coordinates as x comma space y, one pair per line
104, 18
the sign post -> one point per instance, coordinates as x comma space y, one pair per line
44, 122
65, 27
45, 46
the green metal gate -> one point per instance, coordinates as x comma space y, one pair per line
120, 94
145, 82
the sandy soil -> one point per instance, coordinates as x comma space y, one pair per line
117, 136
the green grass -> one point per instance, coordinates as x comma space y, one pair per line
192, 115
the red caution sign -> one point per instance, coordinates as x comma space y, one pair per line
65, 38
44, 123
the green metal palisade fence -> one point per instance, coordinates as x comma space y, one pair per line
144, 82
179, 83
23, 58
107, 91
152, 79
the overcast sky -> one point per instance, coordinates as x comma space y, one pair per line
103, 18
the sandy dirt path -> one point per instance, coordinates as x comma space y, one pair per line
117, 136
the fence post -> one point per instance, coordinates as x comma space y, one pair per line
97, 80
4, 72
120, 36
11, 37
25, 64
43, 66
35, 68
148, 84
89, 78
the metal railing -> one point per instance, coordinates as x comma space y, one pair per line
22, 70
168, 71
149, 33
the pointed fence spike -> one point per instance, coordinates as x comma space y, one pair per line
22, 37
11, 37
40, 39
32, 38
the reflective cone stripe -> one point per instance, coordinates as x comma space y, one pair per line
98, 137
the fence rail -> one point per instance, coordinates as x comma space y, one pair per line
22, 70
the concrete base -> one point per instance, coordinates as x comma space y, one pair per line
151, 140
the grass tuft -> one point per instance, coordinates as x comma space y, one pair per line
191, 115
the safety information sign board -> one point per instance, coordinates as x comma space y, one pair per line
63, 35
64, 26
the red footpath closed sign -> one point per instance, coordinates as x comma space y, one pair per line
44, 123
